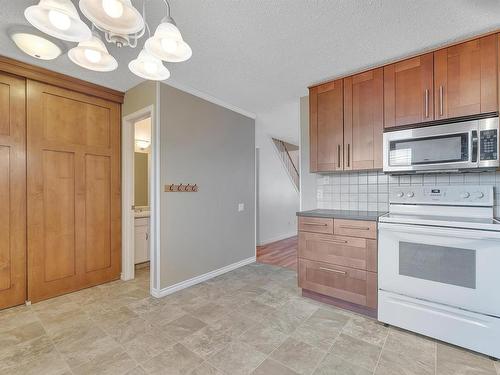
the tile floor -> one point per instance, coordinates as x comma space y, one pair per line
249, 321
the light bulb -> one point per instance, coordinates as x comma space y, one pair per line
113, 8
150, 67
92, 55
59, 20
169, 45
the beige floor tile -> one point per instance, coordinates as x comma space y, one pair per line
263, 338
274, 298
271, 367
299, 356
210, 312
51, 363
356, 351
237, 359
334, 365
234, 324
207, 341
69, 315
394, 363
138, 370
497, 366
288, 317
455, 361
256, 310
206, 369
16, 317
112, 317
321, 328
21, 334
175, 360
114, 362
28, 351
183, 327
367, 330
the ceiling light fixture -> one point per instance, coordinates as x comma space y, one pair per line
149, 67
93, 55
142, 143
36, 46
58, 18
122, 24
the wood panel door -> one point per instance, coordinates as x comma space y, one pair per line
466, 78
364, 120
74, 238
12, 191
326, 129
408, 91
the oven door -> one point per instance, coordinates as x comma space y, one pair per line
455, 267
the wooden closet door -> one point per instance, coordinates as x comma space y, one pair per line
466, 78
74, 238
326, 128
12, 191
408, 91
364, 120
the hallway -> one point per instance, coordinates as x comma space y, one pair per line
280, 253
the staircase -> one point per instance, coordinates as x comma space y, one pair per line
289, 155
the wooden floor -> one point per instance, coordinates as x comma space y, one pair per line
281, 253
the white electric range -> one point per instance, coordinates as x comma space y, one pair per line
439, 265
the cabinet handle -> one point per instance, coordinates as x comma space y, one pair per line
426, 103
315, 224
147, 236
348, 154
441, 97
332, 270
338, 156
353, 227
336, 241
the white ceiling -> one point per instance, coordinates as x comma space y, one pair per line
259, 54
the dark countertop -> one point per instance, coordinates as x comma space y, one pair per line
343, 214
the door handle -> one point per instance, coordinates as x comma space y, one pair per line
441, 97
333, 270
475, 150
426, 103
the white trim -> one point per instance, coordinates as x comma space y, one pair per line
277, 238
158, 293
210, 99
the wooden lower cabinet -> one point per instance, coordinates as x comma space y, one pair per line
342, 265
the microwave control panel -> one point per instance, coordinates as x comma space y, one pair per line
489, 144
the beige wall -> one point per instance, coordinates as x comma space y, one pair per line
213, 147
307, 180
141, 176
139, 97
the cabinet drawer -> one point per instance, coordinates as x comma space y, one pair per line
360, 253
316, 225
355, 228
348, 284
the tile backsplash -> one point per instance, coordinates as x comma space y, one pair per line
370, 190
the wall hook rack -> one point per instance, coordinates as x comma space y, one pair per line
181, 188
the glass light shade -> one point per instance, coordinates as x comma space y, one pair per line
93, 55
36, 46
167, 43
142, 143
58, 18
149, 67
116, 16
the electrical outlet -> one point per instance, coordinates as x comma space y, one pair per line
241, 207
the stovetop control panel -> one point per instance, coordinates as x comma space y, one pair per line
457, 195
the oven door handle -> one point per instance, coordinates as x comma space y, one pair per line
475, 148
440, 231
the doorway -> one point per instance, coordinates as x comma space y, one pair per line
140, 196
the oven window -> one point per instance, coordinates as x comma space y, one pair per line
430, 150
448, 265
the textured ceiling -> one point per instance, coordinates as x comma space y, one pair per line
258, 54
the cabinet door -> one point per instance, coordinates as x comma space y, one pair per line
363, 120
74, 234
408, 91
12, 191
141, 240
466, 78
326, 127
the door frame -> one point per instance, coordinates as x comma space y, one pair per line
128, 218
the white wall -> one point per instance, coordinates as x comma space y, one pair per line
278, 200
307, 180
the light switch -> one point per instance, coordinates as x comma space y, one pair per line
241, 207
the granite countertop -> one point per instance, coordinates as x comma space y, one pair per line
343, 214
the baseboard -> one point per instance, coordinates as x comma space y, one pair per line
158, 293
277, 238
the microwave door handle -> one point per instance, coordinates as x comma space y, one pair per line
475, 148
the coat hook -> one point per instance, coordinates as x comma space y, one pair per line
187, 188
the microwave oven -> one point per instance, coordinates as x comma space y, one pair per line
457, 147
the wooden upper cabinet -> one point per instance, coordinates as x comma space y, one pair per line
326, 129
363, 120
465, 78
408, 91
